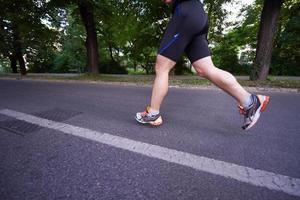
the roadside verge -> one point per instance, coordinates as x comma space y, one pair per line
273, 84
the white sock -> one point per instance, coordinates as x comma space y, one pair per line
153, 112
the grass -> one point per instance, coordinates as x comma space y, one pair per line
185, 81
138, 71
115, 78
181, 81
272, 83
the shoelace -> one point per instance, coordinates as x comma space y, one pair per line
244, 112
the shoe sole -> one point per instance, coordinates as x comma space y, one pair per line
157, 122
264, 101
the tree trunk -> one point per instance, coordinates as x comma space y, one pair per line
13, 64
18, 50
87, 15
111, 53
134, 66
21, 63
267, 31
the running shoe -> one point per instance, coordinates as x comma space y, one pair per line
146, 118
252, 114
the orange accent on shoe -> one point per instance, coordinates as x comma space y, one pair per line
241, 110
265, 103
146, 111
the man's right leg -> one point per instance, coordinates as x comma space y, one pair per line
161, 83
160, 88
172, 46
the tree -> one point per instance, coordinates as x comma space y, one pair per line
131, 31
267, 31
286, 53
86, 12
87, 15
12, 41
23, 31
71, 55
225, 53
216, 15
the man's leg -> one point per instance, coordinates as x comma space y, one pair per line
161, 83
160, 88
250, 105
222, 79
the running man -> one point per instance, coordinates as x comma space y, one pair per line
187, 32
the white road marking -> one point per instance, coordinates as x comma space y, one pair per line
244, 174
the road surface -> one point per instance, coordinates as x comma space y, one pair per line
63, 140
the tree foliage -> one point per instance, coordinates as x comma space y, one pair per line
51, 35
286, 55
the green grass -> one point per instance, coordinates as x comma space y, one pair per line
138, 71
114, 78
191, 81
181, 81
185, 80
272, 83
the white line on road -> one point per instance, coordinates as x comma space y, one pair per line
244, 174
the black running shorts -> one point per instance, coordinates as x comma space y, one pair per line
186, 32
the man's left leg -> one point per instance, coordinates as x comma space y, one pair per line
250, 105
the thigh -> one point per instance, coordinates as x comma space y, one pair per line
163, 63
198, 48
175, 39
184, 31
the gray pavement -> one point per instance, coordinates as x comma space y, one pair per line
48, 164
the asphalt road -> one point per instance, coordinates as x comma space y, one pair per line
45, 163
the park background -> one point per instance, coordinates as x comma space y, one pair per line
122, 36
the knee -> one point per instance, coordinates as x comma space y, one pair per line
163, 65
204, 71
200, 72
204, 67
161, 69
